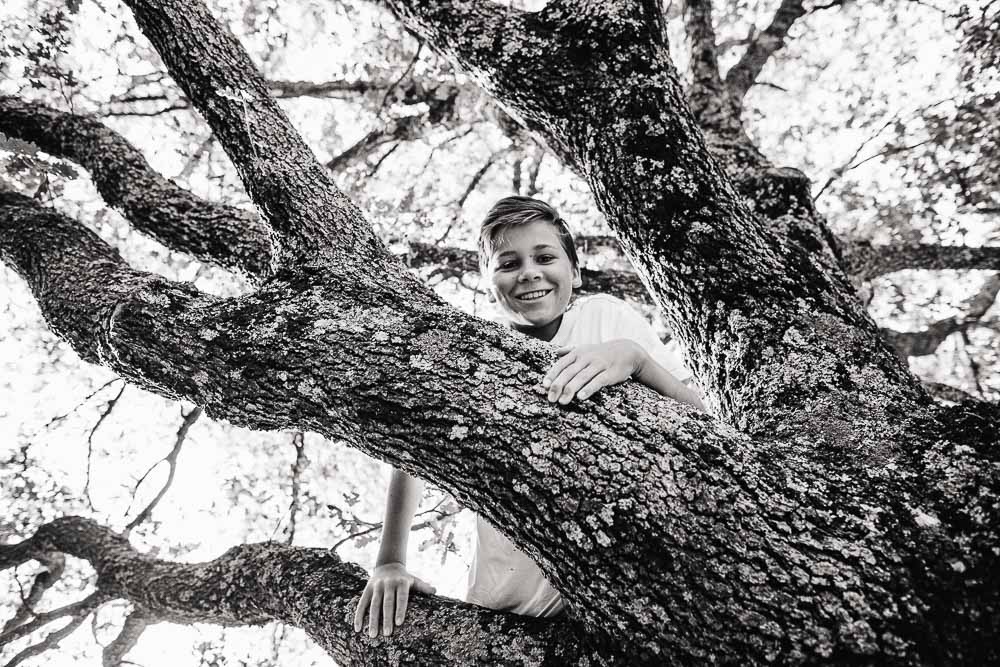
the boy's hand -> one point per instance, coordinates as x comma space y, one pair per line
583, 370
386, 595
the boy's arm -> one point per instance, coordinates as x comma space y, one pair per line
659, 379
400, 505
581, 371
388, 590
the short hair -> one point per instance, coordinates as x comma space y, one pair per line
517, 210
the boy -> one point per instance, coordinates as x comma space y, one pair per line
528, 256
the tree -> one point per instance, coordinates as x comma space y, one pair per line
829, 512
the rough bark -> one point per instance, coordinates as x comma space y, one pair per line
775, 301
710, 99
253, 584
851, 522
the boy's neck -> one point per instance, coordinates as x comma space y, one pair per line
545, 332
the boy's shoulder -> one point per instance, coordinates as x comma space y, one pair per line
600, 302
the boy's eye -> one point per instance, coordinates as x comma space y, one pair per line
507, 266
545, 259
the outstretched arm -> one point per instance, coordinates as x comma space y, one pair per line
388, 590
658, 378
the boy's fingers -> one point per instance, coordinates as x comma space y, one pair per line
557, 368
559, 384
562, 383
388, 612
402, 600
578, 382
373, 611
359, 613
600, 380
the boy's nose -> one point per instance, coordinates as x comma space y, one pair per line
530, 273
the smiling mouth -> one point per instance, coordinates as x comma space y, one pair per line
532, 296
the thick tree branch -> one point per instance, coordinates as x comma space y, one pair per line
744, 74
309, 588
171, 339
271, 158
857, 484
216, 233
926, 341
41, 620
78, 279
865, 261
708, 96
461, 23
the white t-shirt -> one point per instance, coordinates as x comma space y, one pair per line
502, 576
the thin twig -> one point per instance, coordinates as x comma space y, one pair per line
974, 367
415, 527
171, 460
847, 166
51, 641
158, 112
90, 442
406, 72
87, 604
478, 176
374, 169
135, 623
79, 405
301, 461
533, 174
54, 564
195, 156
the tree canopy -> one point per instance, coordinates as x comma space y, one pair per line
795, 171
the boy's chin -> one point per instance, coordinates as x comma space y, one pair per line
535, 322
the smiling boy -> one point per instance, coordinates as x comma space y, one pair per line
528, 255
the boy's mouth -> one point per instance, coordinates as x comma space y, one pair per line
532, 296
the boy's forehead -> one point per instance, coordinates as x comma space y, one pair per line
526, 236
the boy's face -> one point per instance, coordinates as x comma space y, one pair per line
530, 275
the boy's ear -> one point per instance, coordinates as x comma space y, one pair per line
577, 280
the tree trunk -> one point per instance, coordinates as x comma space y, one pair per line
848, 520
